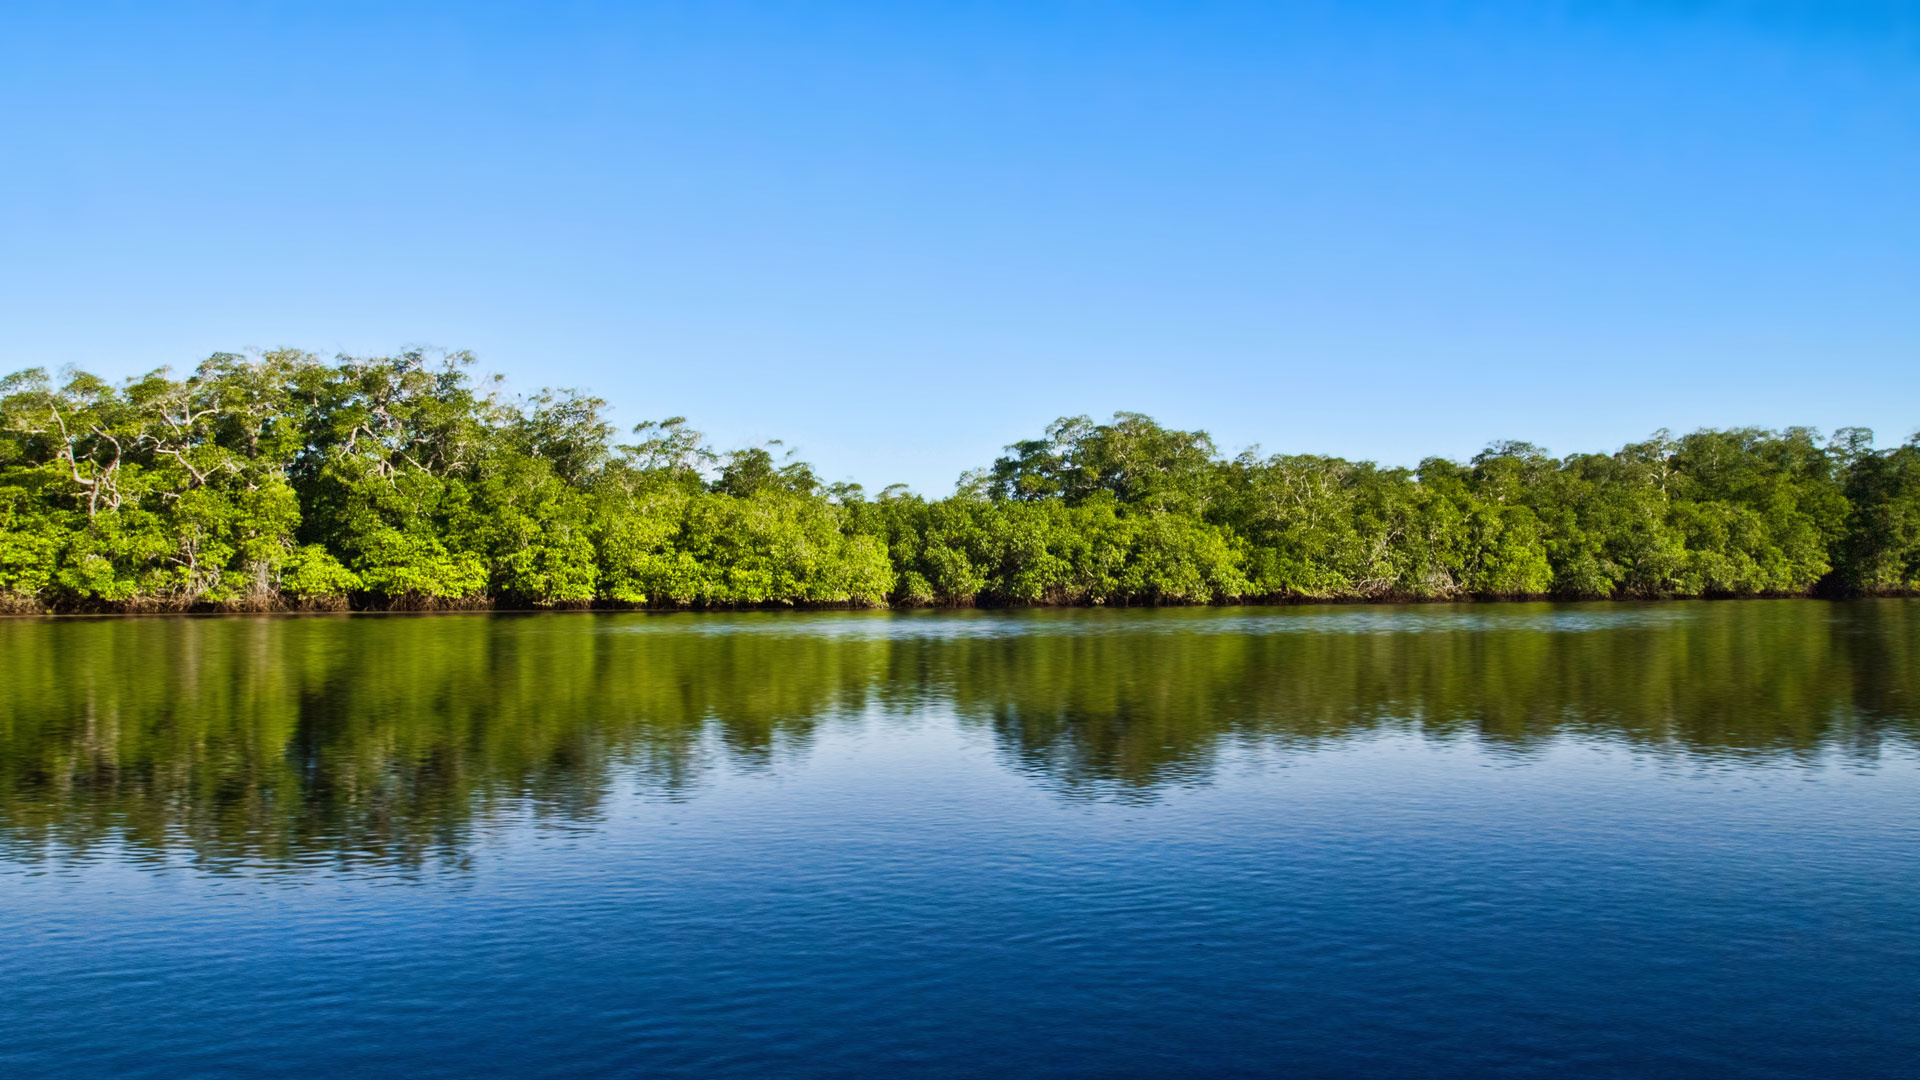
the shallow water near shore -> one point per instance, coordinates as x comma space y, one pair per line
1496, 840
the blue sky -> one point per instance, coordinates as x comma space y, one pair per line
900, 236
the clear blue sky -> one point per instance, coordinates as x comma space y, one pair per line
902, 235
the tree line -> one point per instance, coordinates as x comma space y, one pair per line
285, 482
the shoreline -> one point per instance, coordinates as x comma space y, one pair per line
490, 607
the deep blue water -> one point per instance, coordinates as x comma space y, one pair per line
1514, 840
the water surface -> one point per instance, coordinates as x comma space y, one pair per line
1527, 840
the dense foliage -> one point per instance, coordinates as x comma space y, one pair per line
283, 481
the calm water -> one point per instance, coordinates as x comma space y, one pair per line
1527, 840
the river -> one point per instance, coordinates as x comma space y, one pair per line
1548, 840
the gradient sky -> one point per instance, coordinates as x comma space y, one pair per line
900, 236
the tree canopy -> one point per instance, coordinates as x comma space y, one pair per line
284, 481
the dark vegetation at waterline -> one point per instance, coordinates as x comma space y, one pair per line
286, 482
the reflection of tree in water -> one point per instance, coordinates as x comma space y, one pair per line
389, 739
393, 740
1098, 715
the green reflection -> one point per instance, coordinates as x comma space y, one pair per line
393, 739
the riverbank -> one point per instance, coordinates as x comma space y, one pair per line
344, 606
